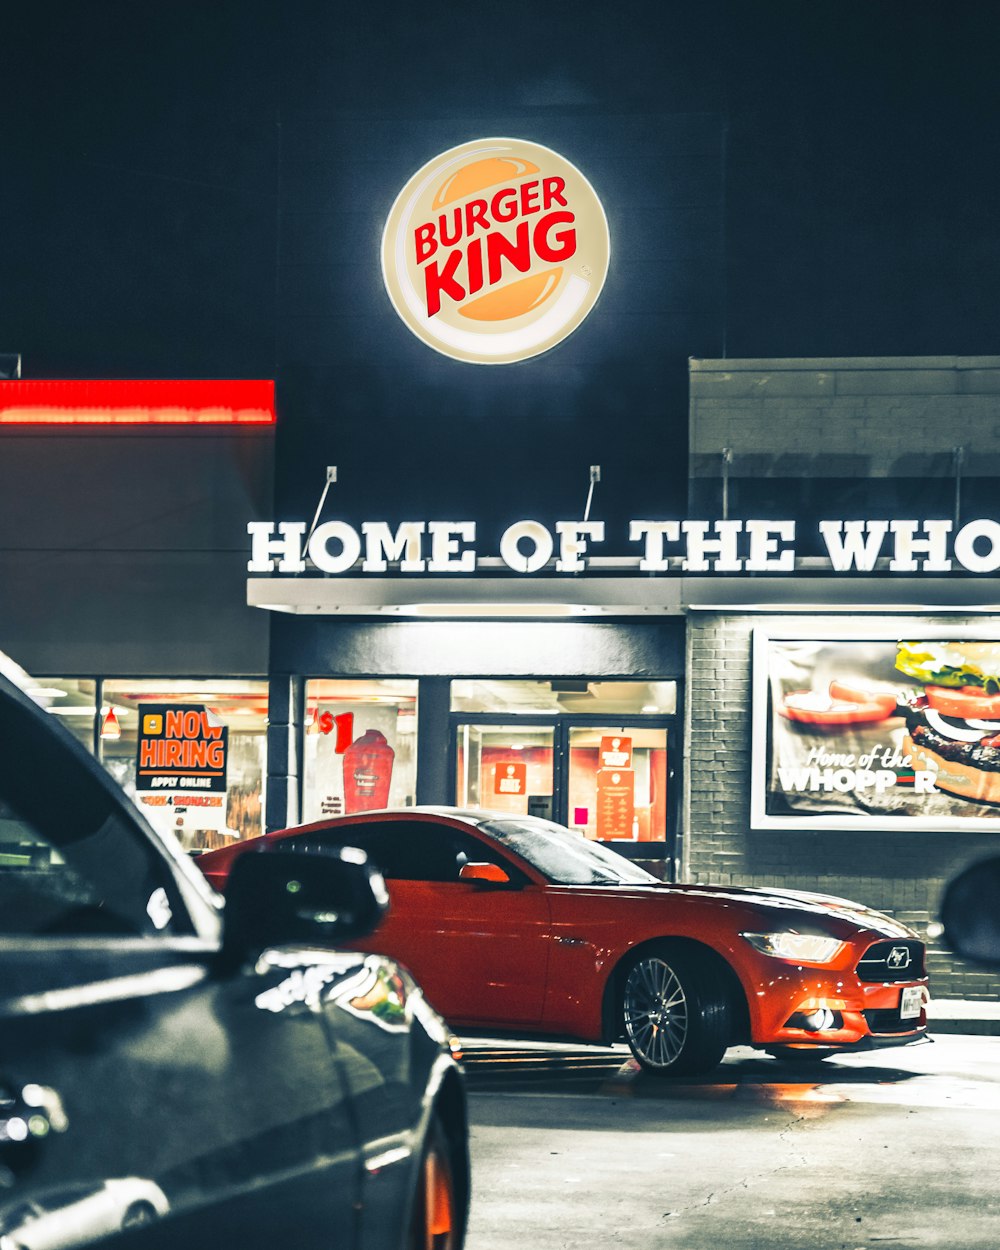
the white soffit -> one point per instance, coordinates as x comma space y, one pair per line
571, 596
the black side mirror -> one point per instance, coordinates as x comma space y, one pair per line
285, 898
970, 913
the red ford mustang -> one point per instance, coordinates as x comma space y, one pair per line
518, 925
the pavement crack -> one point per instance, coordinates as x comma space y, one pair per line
746, 1182
799, 1160
717, 1195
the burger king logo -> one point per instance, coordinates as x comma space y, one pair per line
495, 251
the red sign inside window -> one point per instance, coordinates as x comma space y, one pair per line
616, 752
510, 779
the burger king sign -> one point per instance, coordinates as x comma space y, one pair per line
495, 251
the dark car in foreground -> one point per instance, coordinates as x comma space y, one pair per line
175, 1073
518, 925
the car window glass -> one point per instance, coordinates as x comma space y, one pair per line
73, 861
64, 1195
565, 857
411, 850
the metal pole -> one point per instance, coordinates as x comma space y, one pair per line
727, 460
331, 477
595, 476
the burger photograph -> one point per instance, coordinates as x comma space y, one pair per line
877, 731
953, 724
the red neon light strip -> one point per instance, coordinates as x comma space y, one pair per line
169, 402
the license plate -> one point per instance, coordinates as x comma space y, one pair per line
911, 1002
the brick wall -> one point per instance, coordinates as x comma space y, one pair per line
846, 417
899, 873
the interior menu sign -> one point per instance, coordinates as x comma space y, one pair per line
615, 804
181, 746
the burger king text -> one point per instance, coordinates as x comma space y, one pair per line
551, 240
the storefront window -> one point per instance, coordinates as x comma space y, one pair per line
360, 746
191, 753
561, 695
73, 700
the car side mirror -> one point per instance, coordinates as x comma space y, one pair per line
491, 874
970, 913
285, 898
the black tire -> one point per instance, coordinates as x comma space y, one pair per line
675, 1010
436, 1219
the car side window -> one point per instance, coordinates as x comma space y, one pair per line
390, 845
44, 891
465, 849
72, 860
411, 850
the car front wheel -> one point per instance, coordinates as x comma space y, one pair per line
675, 1011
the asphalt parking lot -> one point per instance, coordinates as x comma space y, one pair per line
575, 1147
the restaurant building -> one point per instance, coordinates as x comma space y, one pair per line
721, 695
574, 443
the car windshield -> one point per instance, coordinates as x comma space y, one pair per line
564, 857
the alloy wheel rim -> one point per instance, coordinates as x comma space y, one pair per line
656, 1012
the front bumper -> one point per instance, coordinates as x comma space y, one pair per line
875, 1042
837, 1012
850, 1037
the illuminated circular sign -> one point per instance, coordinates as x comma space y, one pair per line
495, 251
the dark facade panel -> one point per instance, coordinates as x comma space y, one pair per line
98, 489
126, 553
321, 647
130, 613
140, 187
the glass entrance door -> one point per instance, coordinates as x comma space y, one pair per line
506, 767
612, 781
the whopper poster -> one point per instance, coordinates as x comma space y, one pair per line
883, 733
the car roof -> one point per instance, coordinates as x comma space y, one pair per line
476, 815
466, 815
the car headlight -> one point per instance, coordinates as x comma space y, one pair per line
804, 948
